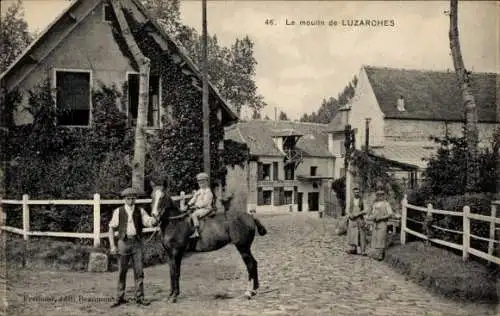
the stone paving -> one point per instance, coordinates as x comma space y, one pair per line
303, 270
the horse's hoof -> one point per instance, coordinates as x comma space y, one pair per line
249, 294
173, 299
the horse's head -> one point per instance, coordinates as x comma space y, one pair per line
158, 203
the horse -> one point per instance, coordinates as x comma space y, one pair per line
217, 230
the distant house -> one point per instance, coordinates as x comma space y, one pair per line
86, 46
289, 167
406, 107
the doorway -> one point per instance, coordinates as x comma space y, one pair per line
313, 201
300, 196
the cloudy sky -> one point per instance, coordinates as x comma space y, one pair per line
298, 65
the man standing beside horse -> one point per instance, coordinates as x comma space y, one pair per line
129, 220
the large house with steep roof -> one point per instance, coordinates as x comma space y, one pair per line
406, 107
86, 45
290, 167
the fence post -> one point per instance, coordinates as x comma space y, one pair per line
492, 229
183, 202
404, 204
428, 224
466, 234
97, 220
3, 219
26, 216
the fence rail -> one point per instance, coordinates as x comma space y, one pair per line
466, 216
96, 203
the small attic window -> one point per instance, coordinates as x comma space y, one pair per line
108, 13
401, 104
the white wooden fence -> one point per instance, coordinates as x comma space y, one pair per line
96, 203
465, 232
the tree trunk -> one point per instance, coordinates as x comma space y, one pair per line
464, 80
138, 164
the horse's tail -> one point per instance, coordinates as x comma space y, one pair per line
260, 228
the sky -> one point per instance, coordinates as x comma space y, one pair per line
300, 65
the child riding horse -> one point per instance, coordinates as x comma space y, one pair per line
233, 226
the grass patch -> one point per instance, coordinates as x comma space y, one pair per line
444, 273
53, 254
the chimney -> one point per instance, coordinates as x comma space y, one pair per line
401, 104
344, 114
278, 141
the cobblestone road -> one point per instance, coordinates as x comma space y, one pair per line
303, 271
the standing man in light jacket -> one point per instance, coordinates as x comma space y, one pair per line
129, 220
356, 233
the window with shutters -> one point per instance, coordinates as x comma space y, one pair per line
154, 109
266, 171
73, 96
289, 172
275, 171
342, 148
313, 171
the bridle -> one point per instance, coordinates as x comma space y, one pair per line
173, 218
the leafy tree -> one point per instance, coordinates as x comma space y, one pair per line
283, 116
329, 108
256, 115
14, 35
231, 69
446, 171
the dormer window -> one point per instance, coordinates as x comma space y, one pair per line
401, 104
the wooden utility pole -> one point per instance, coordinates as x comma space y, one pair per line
367, 133
464, 80
206, 108
367, 147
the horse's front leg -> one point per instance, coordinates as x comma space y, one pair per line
175, 274
172, 275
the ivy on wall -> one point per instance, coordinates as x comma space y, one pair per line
46, 160
373, 175
177, 150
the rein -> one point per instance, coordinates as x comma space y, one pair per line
181, 215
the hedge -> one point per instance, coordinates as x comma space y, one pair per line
479, 203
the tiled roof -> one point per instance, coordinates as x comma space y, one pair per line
406, 153
336, 124
432, 95
258, 135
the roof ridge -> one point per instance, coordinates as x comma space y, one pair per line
284, 121
241, 134
426, 70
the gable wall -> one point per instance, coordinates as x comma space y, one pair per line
364, 104
90, 46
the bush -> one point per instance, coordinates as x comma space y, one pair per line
444, 273
447, 170
479, 203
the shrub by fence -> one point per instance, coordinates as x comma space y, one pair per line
467, 225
